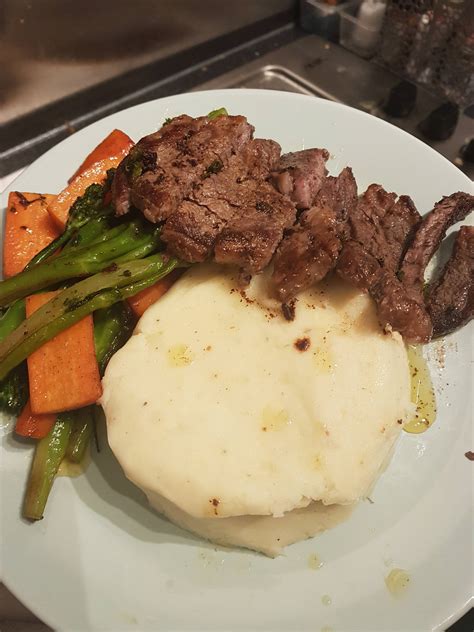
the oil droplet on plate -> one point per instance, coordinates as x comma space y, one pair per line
397, 581
274, 418
422, 392
314, 562
326, 600
180, 355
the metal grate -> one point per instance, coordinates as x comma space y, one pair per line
432, 42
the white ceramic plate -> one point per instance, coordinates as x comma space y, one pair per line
101, 560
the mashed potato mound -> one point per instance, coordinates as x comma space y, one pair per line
240, 425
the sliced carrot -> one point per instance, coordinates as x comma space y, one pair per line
63, 373
34, 426
116, 145
142, 301
59, 208
28, 229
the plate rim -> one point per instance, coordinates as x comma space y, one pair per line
277, 94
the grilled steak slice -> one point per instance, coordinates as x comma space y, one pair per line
162, 168
428, 237
400, 312
300, 175
256, 159
357, 266
380, 227
451, 297
310, 249
192, 229
383, 224
254, 232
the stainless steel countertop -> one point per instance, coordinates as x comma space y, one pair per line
54, 48
311, 65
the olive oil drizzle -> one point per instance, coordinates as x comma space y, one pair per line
422, 392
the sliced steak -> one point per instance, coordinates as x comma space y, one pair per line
192, 229
254, 232
380, 228
162, 168
310, 249
451, 297
451, 209
398, 311
383, 225
357, 266
300, 175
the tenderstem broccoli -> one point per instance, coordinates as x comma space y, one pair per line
69, 306
138, 240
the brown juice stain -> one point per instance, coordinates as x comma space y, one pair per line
180, 355
422, 392
397, 581
274, 418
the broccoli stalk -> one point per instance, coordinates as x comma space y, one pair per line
113, 326
49, 453
87, 207
95, 231
14, 388
74, 303
81, 432
135, 242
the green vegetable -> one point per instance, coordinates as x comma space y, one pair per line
136, 241
99, 420
81, 432
12, 318
14, 390
97, 229
14, 387
72, 304
49, 453
113, 326
215, 113
88, 206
